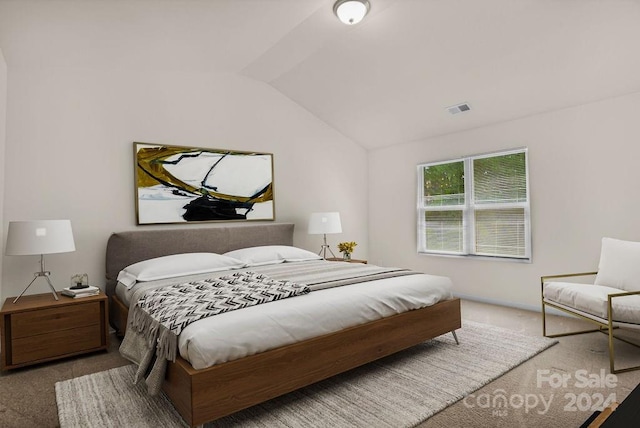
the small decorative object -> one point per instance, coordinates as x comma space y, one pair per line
346, 248
79, 280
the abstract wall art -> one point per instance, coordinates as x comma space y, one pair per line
177, 184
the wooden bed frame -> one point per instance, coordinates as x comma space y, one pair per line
205, 395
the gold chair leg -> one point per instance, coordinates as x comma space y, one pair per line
611, 347
607, 329
571, 333
611, 350
544, 319
612, 357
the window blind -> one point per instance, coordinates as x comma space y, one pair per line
443, 231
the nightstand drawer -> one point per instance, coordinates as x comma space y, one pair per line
32, 323
56, 344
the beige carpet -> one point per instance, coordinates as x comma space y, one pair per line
398, 391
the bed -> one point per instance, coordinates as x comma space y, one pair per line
207, 394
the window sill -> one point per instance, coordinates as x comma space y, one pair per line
475, 257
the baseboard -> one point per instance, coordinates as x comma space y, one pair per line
509, 304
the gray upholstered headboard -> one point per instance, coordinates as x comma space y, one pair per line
125, 248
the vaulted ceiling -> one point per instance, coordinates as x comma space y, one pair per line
387, 80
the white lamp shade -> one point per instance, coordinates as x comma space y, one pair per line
320, 223
39, 237
351, 11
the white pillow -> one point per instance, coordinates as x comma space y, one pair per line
176, 265
619, 264
272, 254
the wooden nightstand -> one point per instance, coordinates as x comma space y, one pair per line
338, 259
38, 328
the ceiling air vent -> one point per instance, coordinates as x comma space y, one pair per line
460, 108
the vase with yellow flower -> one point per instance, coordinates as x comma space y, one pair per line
346, 248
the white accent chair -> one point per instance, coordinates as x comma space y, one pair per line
611, 302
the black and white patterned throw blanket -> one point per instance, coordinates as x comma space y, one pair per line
177, 306
161, 314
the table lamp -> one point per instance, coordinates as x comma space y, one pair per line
323, 223
39, 237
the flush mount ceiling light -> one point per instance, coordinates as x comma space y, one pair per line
351, 11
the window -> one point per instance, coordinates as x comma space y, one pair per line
475, 206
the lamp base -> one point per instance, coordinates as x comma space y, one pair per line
43, 273
323, 251
324, 248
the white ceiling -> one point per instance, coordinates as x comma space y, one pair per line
384, 81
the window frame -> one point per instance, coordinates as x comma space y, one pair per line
470, 208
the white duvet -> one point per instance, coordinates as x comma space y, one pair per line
236, 334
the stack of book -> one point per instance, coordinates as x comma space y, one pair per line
81, 292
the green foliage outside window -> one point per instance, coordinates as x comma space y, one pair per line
444, 184
500, 178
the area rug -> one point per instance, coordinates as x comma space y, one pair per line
397, 391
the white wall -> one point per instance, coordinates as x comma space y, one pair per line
3, 111
69, 154
584, 176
